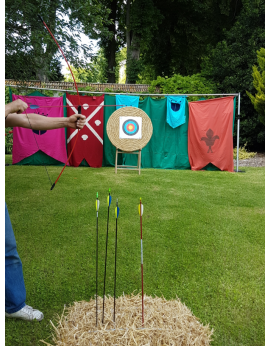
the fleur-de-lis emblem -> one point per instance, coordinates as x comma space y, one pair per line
210, 139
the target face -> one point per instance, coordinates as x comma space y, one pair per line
130, 127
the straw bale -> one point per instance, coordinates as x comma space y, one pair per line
166, 323
129, 144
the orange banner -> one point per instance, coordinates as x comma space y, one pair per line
210, 137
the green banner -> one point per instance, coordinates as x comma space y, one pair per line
167, 147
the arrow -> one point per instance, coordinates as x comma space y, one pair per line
32, 106
116, 218
140, 208
97, 209
109, 200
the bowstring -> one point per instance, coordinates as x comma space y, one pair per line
36, 139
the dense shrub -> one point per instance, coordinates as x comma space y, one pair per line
177, 84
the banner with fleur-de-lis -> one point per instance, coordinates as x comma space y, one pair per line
210, 137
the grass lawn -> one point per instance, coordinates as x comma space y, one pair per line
203, 242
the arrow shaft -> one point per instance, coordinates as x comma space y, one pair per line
141, 261
115, 270
97, 273
104, 290
69, 106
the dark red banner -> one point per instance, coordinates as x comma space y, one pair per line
90, 141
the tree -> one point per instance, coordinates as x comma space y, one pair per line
162, 37
29, 44
94, 72
229, 63
185, 29
104, 26
258, 100
142, 18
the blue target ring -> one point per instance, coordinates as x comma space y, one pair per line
130, 127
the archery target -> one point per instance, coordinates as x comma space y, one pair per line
130, 127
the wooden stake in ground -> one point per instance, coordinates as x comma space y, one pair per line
116, 217
97, 208
141, 213
109, 200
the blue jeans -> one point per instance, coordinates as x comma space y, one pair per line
15, 293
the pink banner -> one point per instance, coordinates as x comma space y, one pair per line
51, 142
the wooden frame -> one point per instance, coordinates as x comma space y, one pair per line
134, 168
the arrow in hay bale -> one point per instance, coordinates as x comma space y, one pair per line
109, 200
116, 218
97, 209
140, 208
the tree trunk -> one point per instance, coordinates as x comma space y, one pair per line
44, 59
112, 44
133, 51
128, 35
135, 47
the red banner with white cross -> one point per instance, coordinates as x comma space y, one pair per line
90, 141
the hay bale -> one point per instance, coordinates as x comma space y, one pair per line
166, 322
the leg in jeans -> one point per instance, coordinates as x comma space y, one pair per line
15, 293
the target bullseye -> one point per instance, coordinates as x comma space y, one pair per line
130, 127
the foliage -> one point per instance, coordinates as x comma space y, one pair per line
82, 75
7, 100
170, 36
54, 73
101, 64
121, 56
31, 52
183, 33
211, 256
177, 84
258, 100
143, 19
94, 72
146, 75
8, 140
20, 66
243, 153
230, 62
133, 69
8, 130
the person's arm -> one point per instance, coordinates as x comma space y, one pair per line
40, 122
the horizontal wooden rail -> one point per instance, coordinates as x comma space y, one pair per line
133, 88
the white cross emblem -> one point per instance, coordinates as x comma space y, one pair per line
86, 123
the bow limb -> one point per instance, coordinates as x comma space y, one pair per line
79, 107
